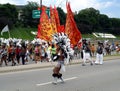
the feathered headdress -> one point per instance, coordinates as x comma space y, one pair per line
64, 42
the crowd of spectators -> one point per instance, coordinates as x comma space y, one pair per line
19, 52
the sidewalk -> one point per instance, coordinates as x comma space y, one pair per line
46, 65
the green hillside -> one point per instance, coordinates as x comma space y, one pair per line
25, 33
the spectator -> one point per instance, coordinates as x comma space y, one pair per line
22, 53
18, 50
37, 53
93, 49
3, 53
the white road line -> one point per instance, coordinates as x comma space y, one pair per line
42, 84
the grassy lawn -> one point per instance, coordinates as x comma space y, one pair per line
24, 33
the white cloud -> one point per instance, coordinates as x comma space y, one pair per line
82, 4
75, 4
101, 5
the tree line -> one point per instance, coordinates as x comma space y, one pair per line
88, 20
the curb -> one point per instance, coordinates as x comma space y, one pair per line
23, 68
44, 65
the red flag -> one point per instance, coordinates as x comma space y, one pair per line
61, 29
52, 20
57, 19
46, 31
38, 34
70, 28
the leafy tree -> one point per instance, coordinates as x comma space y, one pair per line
27, 14
89, 18
8, 15
82, 24
62, 16
105, 23
115, 25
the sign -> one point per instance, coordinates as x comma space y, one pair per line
36, 13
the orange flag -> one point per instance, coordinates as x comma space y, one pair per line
70, 28
38, 34
61, 28
57, 19
45, 27
52, 20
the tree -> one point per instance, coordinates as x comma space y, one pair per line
89, 18
27, 14
115, 25
105, 23
6, 17
62, 16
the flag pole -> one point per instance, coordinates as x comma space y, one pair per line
41, 6
9, 33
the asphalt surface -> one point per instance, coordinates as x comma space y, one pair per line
104, 77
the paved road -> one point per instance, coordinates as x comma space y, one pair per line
77, 78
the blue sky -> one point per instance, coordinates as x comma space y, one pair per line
108, 7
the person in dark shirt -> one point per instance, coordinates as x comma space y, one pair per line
86, 54
99, 54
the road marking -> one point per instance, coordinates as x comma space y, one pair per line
46, 83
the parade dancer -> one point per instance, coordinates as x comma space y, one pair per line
99, 55
86, 54
56, 71
3, 53
63, 51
